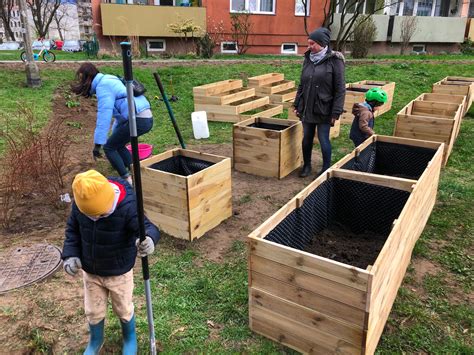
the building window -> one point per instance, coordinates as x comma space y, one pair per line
156, 45
299, 7
419, 48
253, 6
289, 48
229, 47
425, 8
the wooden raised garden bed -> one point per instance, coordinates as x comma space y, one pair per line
355, 93
431, 121
186, 193
448, 99
275, 86
456, 85
229, 101
325, 269
267, 146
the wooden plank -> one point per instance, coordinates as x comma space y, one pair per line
425, 128
313, 283
251, 103
276, 87
306, 316
408, 141
310, 263
315, 339
208, 215
457, 99
265, 79
375, 179
448, 109
283, 96
172, 226
217, 87
291, 155
321, 304
225, 98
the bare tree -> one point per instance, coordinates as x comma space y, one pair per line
43, 12
407, 31
365, 32
305, 17
62, 20
6, 7
241, 29
350, 11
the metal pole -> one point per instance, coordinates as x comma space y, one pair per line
170, 110
33, 79
137, 182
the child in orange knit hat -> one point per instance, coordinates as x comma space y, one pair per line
102, 240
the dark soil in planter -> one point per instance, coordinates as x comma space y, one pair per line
273, 127
357, 89
339, 243
181, 165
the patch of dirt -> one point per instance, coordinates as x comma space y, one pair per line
50, 314
339, 243
254, 199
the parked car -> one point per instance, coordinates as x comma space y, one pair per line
38, 45
59, 44
10, 46
71, 46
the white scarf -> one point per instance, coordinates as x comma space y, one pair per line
316, 57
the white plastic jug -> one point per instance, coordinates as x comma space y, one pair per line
200, 128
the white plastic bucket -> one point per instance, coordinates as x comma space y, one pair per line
200, 128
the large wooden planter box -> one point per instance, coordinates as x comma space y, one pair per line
456, 85
431, 121
315, 304
186, 193
355, 93
275, 86
267, 146
448, 99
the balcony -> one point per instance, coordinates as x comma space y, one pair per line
121, 19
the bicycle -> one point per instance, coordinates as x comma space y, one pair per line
44, 53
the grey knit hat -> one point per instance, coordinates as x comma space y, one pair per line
322, 36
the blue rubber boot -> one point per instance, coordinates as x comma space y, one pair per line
129, 337
96, 338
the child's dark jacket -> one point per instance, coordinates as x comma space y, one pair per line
107, 247
363, 123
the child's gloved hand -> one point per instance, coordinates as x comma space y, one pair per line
72, 265
146, 247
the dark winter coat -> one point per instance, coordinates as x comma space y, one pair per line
363, 123
322, 89
107, 247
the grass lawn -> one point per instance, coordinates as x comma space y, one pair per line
61, 55
430, 315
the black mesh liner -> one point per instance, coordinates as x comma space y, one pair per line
357, 89
274, 127
181, 165
359, 206
392, 159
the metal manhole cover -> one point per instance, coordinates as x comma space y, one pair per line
27, 265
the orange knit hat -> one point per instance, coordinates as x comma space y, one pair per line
93, 193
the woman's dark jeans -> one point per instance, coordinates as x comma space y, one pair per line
324, 142
115, 150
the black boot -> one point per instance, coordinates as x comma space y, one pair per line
305, 171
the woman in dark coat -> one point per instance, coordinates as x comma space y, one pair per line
320, 98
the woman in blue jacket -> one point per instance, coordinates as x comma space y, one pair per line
112, 102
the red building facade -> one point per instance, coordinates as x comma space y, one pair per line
277, 26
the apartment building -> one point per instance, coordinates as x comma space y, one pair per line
278, 26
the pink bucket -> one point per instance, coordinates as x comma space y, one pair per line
144, 150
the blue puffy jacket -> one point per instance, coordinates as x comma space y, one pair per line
107, 247
112, 102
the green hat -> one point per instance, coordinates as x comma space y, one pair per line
376, 94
